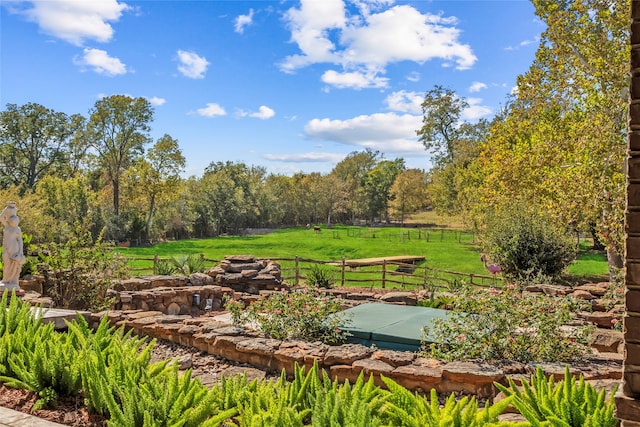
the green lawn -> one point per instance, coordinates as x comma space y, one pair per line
451, 250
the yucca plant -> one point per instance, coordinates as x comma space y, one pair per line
188, 264
569, 403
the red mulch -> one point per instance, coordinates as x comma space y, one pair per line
70, 411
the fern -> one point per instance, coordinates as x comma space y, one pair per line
567, 403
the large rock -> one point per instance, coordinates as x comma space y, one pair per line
421, 376
407, 298
394, 358
346, 354
201, 279
606, 340
473, 378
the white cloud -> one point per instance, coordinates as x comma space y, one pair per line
312, 157
523, 43
475, 110
354, 80
100, 62
477, 86
388, 132
192, 65
243, 21
211, 110
263, 113
406, 102
371, 41
71, 20
156, 101
413, 76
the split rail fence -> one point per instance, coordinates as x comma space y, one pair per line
381, 274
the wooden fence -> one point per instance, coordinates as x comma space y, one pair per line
383, 274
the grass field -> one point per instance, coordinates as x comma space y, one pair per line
450, 249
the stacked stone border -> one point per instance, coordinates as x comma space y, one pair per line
346, 362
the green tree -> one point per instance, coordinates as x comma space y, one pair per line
352, 170
562, 141
441, 119
408, 193
118, 130
34, 142
156, 178
377, 187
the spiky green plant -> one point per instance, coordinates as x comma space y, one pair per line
569, 403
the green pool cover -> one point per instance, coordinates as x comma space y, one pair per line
396, 327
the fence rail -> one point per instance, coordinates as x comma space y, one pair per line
384, 274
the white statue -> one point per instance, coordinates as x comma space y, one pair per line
12, 249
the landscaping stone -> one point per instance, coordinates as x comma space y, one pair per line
605, 340
346, 354
471, 377
393, 357
583, 295
408, 298
600, 319
593, 289
344, 362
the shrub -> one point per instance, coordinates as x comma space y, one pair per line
78, 272
497, 325
527, 245
304, 314
188, 264
567, 403
164, 267
320, 276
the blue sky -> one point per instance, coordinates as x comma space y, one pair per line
288, 85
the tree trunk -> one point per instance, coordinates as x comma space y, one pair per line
116, 196
152, 203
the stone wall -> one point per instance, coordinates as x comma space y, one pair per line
346, 362
628, 398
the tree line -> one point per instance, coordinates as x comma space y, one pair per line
556, 149
103, 171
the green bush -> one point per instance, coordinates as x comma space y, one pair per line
320, 277
528, 245
497, 325
303, 314
188, 264
78, 272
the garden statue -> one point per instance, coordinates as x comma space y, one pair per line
12, 249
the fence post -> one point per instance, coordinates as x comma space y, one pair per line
297, 270
424, 280
342, 266
384, 273
155, 263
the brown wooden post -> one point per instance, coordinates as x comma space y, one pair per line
628, 397
384, 273
155, 263
342, 268
297, 272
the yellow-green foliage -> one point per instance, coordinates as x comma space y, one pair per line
569, 403
111, 370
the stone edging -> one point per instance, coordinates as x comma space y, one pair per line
345, 362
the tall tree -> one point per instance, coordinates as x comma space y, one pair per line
157, 177
562, 143
34, 142
118, 130
352, 171
408, 193
377, 187
441, 123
